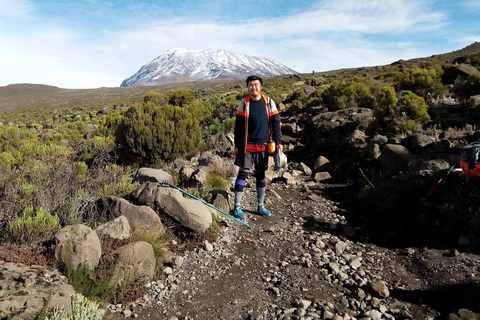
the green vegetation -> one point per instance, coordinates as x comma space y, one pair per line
82, 309
62, 150
33, 225
152, 134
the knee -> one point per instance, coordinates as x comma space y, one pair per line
260, 177
242, 175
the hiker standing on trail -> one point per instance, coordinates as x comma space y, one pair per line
257, 125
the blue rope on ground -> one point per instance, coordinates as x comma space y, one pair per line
204, 202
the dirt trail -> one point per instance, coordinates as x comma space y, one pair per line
307, 260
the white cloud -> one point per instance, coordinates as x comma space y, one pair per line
16, 8
332, 35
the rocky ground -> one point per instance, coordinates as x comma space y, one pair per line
306, 261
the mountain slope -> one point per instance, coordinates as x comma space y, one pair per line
182, 65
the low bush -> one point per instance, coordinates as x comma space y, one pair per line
33, 225
82, 309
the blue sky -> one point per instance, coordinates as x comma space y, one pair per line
97, 43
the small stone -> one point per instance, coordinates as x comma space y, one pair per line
208, 246
168, 271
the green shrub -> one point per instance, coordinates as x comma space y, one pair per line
425, 82
298, 94
357, 92
97, 148
82, 168
7, 161
474, 60
31, 227
120, 188
474, 81
157, 98
180, 97
154, 134
414, 107
386, 103
216, 181
408, 126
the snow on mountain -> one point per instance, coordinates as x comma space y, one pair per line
182, 65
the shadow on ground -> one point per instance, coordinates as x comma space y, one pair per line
446, 300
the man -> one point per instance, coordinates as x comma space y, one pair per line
257, 122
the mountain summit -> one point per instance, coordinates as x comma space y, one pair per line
183, 65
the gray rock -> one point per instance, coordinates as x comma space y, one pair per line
304, 169
142, 219
394, 158
149, 174
134, 262
198, 178
77, 244
378, 289
119, 228
322, 176
321, 164
24, 290
169, 201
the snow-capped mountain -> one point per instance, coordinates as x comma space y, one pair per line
182, 65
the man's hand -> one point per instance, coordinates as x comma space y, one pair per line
279, 147
235, 152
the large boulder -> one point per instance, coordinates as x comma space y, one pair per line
394, 158
327, 130
142, 219
167, 200
77, 244
149, 174
134, 262
24, 291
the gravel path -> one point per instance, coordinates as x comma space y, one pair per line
306, 262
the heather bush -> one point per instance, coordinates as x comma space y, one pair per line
97, 149
157, 98
7, 161
414, 107
152, 134
181, 97
425, 82
216, 112
342, 94
474, 60
297, 95
386, 104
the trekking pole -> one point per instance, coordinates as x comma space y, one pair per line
205, 203
441, 179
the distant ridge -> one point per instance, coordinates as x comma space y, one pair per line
33, 96
183, 65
